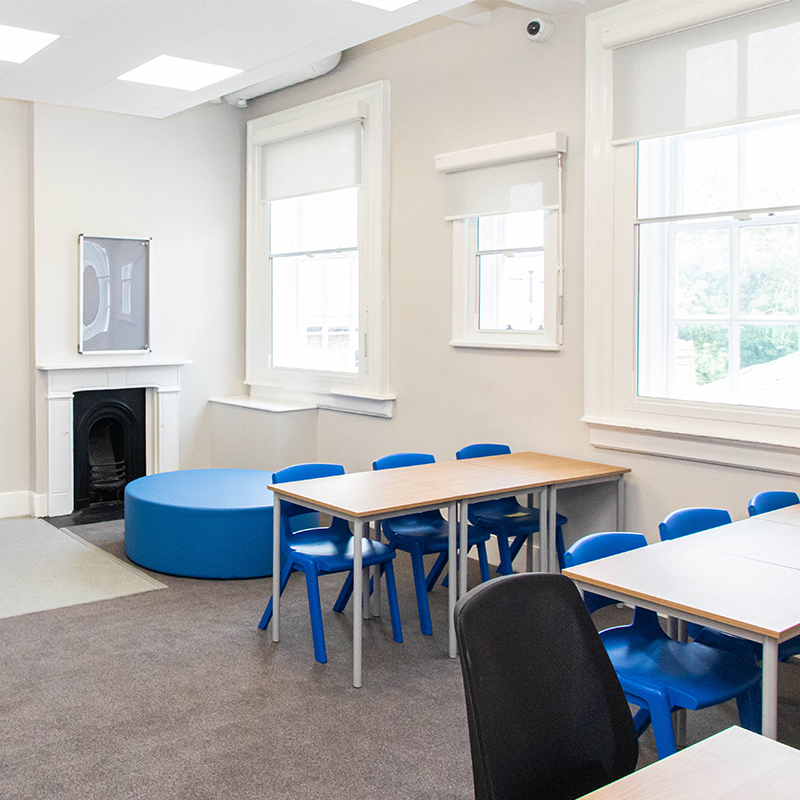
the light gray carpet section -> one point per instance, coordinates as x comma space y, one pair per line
43, 568
177, 695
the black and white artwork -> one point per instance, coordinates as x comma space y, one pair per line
114, 295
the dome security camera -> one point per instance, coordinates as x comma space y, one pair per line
540, 30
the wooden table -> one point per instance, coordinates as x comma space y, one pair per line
363, 498
732, 765
702, 578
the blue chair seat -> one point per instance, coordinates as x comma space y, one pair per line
320, 551
335, 555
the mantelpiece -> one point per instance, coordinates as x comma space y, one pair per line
160, 379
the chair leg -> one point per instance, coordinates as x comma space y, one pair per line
483, 561
641, 720
516, 545
505, 567
436, 571
661, 718
391, 596
418, 568
315, 612
344, 595
267, 616
560, 547
749, 706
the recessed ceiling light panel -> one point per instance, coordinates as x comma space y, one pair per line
386, 5
18, 44
179, 73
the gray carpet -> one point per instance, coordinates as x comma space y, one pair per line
178, 694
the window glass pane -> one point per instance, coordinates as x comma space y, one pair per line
772, 166
770, 366
702, 266
511, 231
702, 360
768, 270
710, 174
327, 221
511, 292
315, 312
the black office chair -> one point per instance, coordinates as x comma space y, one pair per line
547, 716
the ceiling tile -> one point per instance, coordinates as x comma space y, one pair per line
104, 61
128, 98
49, 16
275, 29
44, 85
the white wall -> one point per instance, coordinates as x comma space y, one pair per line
177, 180
15, 313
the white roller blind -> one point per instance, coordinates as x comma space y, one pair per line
314, 162
520, 175
502, 188
737, 69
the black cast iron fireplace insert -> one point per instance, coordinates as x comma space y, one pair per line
108, 444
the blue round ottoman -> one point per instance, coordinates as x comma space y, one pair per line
201, 523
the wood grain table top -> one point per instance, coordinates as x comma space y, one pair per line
735, 764
380, 492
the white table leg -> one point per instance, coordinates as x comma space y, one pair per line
376, 571
452, 583
463, 524
276, 567
529, 542
552, 560
769, 689
680, 714
358, 588
620, 504
544, 523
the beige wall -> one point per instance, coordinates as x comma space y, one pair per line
15, 312
454, 86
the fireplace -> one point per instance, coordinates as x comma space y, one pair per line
108, 444
62, 385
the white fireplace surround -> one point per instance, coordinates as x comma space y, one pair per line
161, 382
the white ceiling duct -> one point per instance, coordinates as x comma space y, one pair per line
304, 73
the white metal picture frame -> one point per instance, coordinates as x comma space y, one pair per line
114, 296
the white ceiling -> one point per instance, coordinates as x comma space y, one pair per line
102, 39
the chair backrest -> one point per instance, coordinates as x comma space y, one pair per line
601, 545
481, 450
303, 472
691, 520
547, 716
402, 460
770, 501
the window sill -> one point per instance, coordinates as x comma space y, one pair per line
244, 401
278, 399
774, 450
503, 345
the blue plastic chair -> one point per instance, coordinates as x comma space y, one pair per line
771, 501
687, 521
659, 674
320, 551
423, 533
506, 518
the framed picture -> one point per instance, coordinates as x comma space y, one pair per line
114, 295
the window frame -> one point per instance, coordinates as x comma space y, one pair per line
618, 419
366, 392
466, 294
